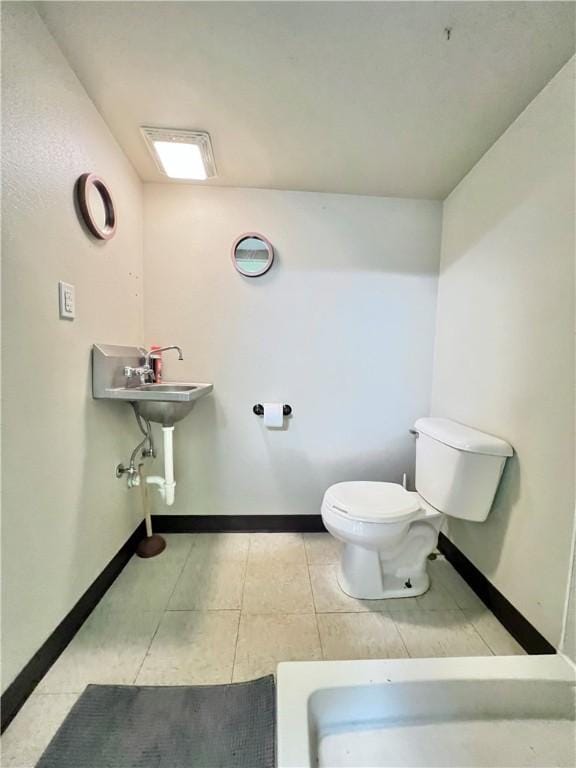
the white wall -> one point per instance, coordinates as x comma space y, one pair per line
504, 359
341, 328
64, 513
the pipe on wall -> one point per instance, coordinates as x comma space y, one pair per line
166, 485
170, 485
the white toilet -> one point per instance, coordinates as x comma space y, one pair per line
388, 532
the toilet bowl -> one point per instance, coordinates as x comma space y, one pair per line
388, 532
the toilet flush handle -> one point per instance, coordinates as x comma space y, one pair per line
414, 433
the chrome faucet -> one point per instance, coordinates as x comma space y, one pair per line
153, 352
145, 372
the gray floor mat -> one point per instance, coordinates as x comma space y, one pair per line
207, 726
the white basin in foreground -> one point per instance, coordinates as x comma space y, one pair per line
484, 712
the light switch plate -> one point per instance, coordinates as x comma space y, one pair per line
67, 300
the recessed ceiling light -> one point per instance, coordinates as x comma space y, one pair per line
181, 154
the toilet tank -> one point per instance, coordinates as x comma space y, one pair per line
458, 468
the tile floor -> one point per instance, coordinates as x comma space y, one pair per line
215, 608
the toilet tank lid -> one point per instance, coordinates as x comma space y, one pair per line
463, 438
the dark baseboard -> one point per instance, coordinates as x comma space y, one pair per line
18, 691
509, 616
237, 523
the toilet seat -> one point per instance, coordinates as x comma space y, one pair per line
372, 502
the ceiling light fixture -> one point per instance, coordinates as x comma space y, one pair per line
179, 154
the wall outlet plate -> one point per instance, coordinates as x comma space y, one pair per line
67, 300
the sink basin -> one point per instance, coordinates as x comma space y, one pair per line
167, 387
164, 403
163, 412
167, 403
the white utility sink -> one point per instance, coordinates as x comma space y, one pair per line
433, 713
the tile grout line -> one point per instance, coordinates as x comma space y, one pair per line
404, 643
456, 587
313, 599
485, 642
500, 626
145, 655
241, 611
162, 613
177, 581
236, 646
320, 638
475, 631
312, 590
305, 551
245, 572
397, 628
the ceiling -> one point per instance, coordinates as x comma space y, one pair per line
350, 97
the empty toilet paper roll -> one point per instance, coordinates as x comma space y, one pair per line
273, 414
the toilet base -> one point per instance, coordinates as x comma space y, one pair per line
363, 575
393, 587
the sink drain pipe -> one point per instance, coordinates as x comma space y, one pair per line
166, 485
152, 544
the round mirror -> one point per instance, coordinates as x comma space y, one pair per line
96, 206
252, 254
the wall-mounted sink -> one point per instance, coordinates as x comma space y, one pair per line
128, 374
164, 403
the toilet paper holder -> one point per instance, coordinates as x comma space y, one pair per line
258, 409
